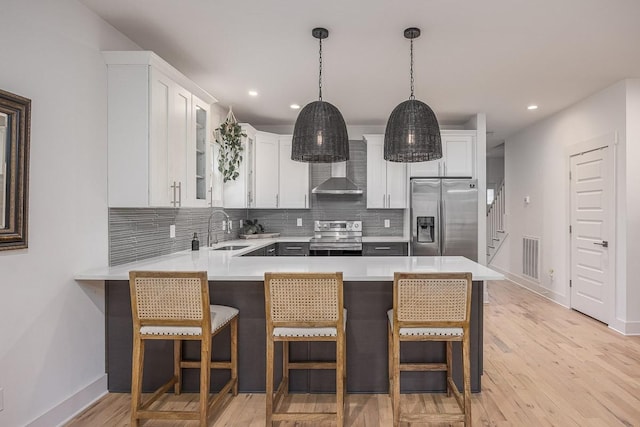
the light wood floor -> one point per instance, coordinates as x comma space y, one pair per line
544, 365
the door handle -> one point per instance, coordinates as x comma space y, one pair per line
604, 244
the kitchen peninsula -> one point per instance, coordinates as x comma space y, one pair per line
238, 281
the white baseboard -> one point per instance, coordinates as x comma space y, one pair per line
626, 328
73, 405
533, 287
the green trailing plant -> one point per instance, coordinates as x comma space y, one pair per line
229, 139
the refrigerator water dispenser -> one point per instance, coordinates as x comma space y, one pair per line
425, 227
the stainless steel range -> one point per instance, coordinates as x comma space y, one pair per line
336, 238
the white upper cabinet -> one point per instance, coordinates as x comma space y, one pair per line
199, 182
266, 170
268, 179
152, 133
293, 190
386, 181
240, 193
458, 157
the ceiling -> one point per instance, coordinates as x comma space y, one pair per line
490, 56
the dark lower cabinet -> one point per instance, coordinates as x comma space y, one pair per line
271, 250
293, 249
257, 252
266, 251
385, 249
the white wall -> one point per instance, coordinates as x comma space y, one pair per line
633, 206
495, 171
52, 328
536, 166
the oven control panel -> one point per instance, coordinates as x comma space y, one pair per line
338, 226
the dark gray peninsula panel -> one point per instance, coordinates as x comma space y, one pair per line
367, 303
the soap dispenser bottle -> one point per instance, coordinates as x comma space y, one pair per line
195, 243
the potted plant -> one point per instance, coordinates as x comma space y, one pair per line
229, 138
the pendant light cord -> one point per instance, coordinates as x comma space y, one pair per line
320, 75
411, 72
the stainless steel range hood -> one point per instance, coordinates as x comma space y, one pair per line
338, 183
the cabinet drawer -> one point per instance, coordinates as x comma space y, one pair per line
293, 249
384, 249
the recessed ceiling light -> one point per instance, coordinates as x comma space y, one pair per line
253, 93
532, 107
294, 106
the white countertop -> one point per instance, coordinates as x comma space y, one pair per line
231, 266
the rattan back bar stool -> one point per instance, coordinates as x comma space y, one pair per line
430, 307
175, 306
304, 307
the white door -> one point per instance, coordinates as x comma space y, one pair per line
591, 220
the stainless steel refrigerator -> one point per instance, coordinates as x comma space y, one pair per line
444, 217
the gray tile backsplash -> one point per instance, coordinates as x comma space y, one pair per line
140, 233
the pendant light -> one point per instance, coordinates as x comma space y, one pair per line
320, 133
412, 133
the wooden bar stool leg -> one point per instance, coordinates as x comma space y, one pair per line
340, 382
449, 367
205, 375
285, 366
177, 369
466, 366
390, 359
396, 381
269, 382
136, 379
344, 365
234, 354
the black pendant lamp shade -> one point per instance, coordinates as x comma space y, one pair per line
320, 133
412, 133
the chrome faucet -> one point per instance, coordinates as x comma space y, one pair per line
209, 226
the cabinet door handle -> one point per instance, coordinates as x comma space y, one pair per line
305, 201
179, 194
211, 196
604, 244
444, 166
277, 200
383, 200
388, 200
272, 250
382, 248
173, 200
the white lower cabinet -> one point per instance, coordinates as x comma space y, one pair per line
386, 181
152, 133
458, 157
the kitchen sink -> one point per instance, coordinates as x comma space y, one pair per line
230, 248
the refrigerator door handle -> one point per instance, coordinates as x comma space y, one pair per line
442, 227
438, 227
